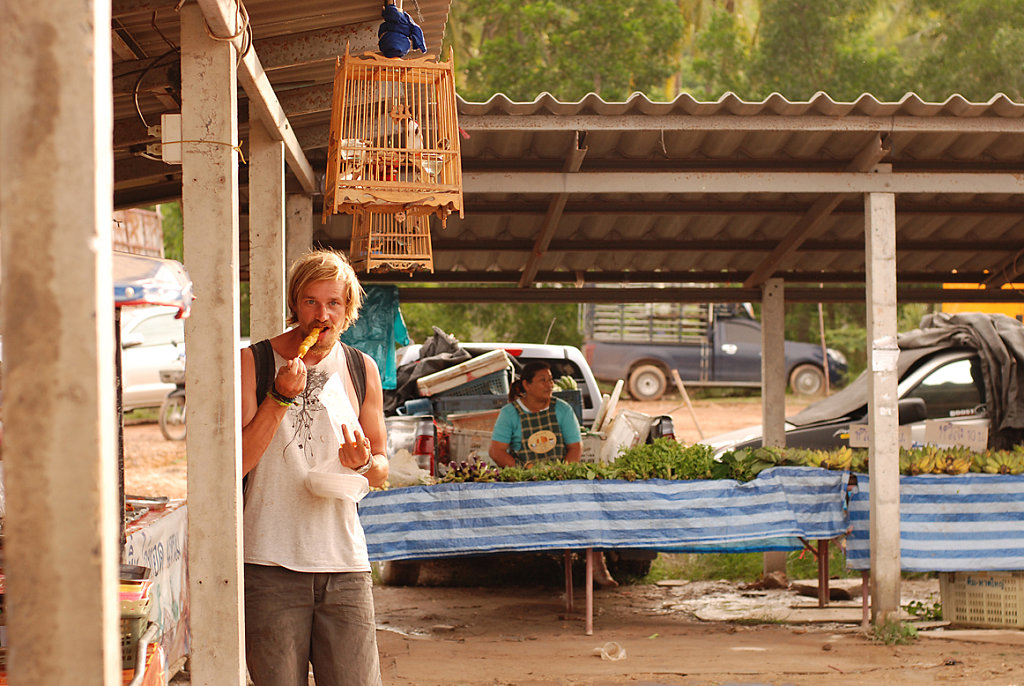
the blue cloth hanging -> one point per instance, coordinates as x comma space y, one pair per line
398, 32
378, 330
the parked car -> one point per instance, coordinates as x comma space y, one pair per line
709, 345
933, 384
152, 339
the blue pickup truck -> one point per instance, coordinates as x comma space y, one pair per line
710, 345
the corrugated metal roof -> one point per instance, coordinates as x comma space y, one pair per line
951, 230
697, 196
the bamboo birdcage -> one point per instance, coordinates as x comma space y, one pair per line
394, 144
384, 241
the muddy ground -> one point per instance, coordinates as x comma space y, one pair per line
677, 632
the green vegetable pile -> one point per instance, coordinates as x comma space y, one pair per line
667, 459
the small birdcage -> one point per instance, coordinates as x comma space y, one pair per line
386, 241
394, 144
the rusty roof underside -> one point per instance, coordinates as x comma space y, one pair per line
634, 193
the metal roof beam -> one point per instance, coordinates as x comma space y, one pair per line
546, 183
221, 15
851, 294
1007, 271
553, 216
816, 214
736, 123
728, 245
320, 45
625, 278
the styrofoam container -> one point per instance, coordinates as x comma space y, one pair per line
351, 487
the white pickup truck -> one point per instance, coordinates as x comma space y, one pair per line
564, 360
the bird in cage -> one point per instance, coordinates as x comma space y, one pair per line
398, 33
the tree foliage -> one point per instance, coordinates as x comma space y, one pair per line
568, 48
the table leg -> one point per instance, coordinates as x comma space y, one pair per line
568, 583
823, 573
865, 579
590, 592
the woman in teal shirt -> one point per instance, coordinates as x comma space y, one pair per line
535, 425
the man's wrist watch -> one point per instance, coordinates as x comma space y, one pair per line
366, 467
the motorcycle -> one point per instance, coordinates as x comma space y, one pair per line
172, 411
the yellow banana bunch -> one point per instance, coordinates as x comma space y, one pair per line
839, 458
955, 464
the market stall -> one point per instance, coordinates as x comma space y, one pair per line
779, 510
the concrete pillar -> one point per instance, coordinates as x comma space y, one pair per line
883, 417
213, 443
773, 383
266, 231
299, 223
62, 539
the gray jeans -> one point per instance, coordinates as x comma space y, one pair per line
293, 619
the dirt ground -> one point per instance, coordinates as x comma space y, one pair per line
674, 632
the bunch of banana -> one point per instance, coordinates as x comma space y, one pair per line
956, 463
840, 458
566, 383
859, 463
926, 460
906, 457
807, 458
1003, 462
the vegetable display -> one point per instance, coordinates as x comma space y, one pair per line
665, 458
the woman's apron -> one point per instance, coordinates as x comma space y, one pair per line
542, 436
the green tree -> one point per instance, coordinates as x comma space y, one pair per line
971, 47
798, 48
515, 322
571, 48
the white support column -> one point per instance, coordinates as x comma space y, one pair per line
62, 527
773, 383
266, 231
299, 223
213, 443
883, 417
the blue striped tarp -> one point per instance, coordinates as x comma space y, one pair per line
967, 523
770, 513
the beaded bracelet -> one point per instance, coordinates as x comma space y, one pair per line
281, 400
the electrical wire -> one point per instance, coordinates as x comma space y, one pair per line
142, 75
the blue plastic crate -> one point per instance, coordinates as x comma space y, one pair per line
451, 404
575, 399
495, 383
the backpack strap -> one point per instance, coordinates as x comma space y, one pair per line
263, 356
356, 371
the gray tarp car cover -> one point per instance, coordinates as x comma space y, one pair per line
999, 341
440, 351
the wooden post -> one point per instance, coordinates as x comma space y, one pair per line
883, 419
213, 442
266, 231
686, 400
298, 227
62, 525
773, 384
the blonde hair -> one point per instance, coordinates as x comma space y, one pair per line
324, 265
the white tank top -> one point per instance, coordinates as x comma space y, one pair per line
284, 524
